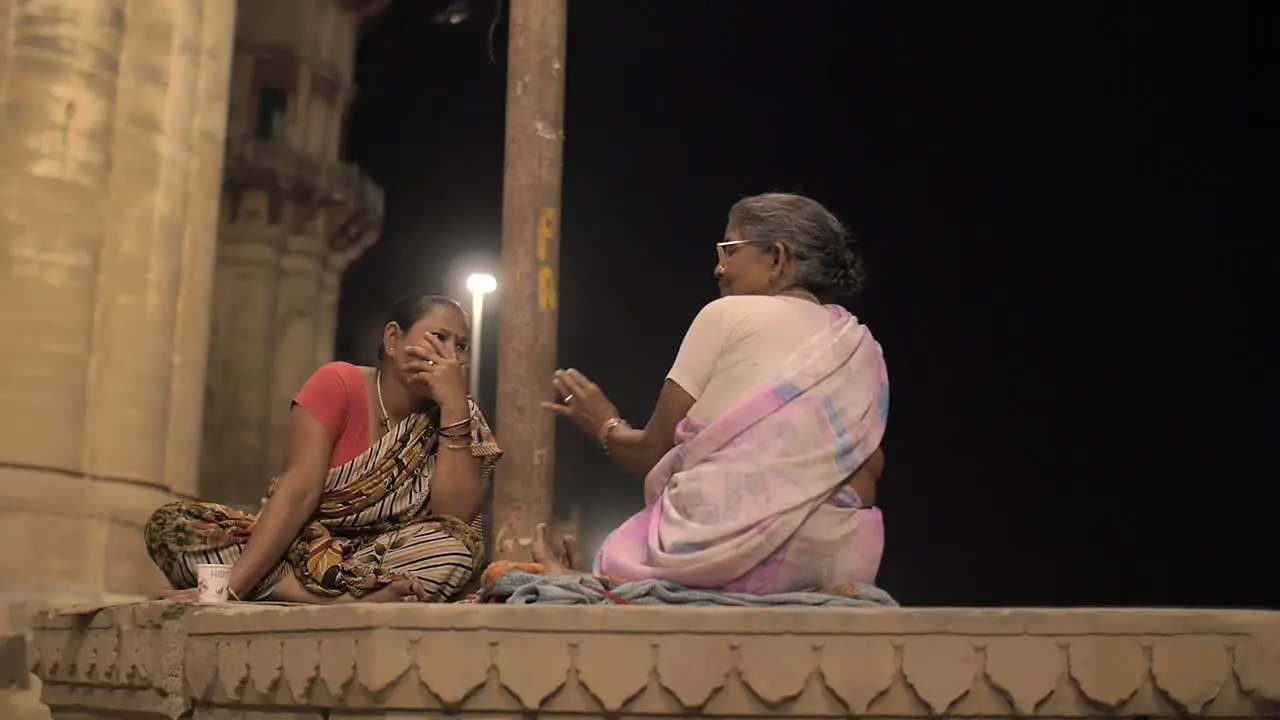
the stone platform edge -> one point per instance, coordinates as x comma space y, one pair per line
159, 660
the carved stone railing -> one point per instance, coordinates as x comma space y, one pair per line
353, 204
364, 662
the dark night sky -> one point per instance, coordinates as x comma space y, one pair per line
1042, 190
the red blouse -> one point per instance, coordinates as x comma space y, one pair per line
336, 395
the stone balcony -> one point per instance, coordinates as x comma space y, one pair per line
261, 662
353, 205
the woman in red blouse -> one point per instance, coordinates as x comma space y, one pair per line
383, 489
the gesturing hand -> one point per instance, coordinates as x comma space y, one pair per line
435, 366
582, 402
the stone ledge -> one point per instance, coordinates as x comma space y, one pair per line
160, 660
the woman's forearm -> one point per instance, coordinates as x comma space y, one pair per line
282, 518
456, 489
628, 448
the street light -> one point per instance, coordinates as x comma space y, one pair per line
480, 284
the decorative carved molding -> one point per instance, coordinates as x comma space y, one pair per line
714, 662
348, 201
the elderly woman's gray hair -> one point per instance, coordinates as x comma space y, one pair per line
819, 246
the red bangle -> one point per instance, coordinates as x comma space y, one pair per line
607, 429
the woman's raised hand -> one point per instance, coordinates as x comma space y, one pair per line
436, 366
582, 402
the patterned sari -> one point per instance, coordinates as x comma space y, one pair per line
372, 526
755, 501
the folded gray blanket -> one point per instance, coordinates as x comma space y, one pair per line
522, 588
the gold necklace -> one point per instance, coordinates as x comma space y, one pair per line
377, 381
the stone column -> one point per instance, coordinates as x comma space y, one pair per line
102, 101
237, 428
327, 308
112, 115
199, 250
297, 297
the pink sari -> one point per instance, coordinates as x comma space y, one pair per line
751, 502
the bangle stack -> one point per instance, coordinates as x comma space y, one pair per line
460, 430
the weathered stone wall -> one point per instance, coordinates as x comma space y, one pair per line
112, 120
262, 662
112, 128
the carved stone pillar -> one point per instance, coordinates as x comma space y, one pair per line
242, 344
327, 308
199, 252
97, 230
112, 122
297, 299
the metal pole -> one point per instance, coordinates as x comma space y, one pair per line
477, 332
530, 263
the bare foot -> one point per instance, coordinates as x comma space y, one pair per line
188, 595
555, 563
571, 557
403, 590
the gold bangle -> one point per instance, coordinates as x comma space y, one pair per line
607, 429
458, 424
455, 435
456, 446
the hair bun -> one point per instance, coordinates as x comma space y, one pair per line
850, 274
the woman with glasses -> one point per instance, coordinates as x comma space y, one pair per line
761, 457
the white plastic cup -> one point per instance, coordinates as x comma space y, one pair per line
214, 581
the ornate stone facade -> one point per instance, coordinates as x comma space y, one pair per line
293, 216
262, 662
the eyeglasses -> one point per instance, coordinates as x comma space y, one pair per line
721, 246
721, 251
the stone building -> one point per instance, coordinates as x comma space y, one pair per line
293, 216
151, 297
132, 261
